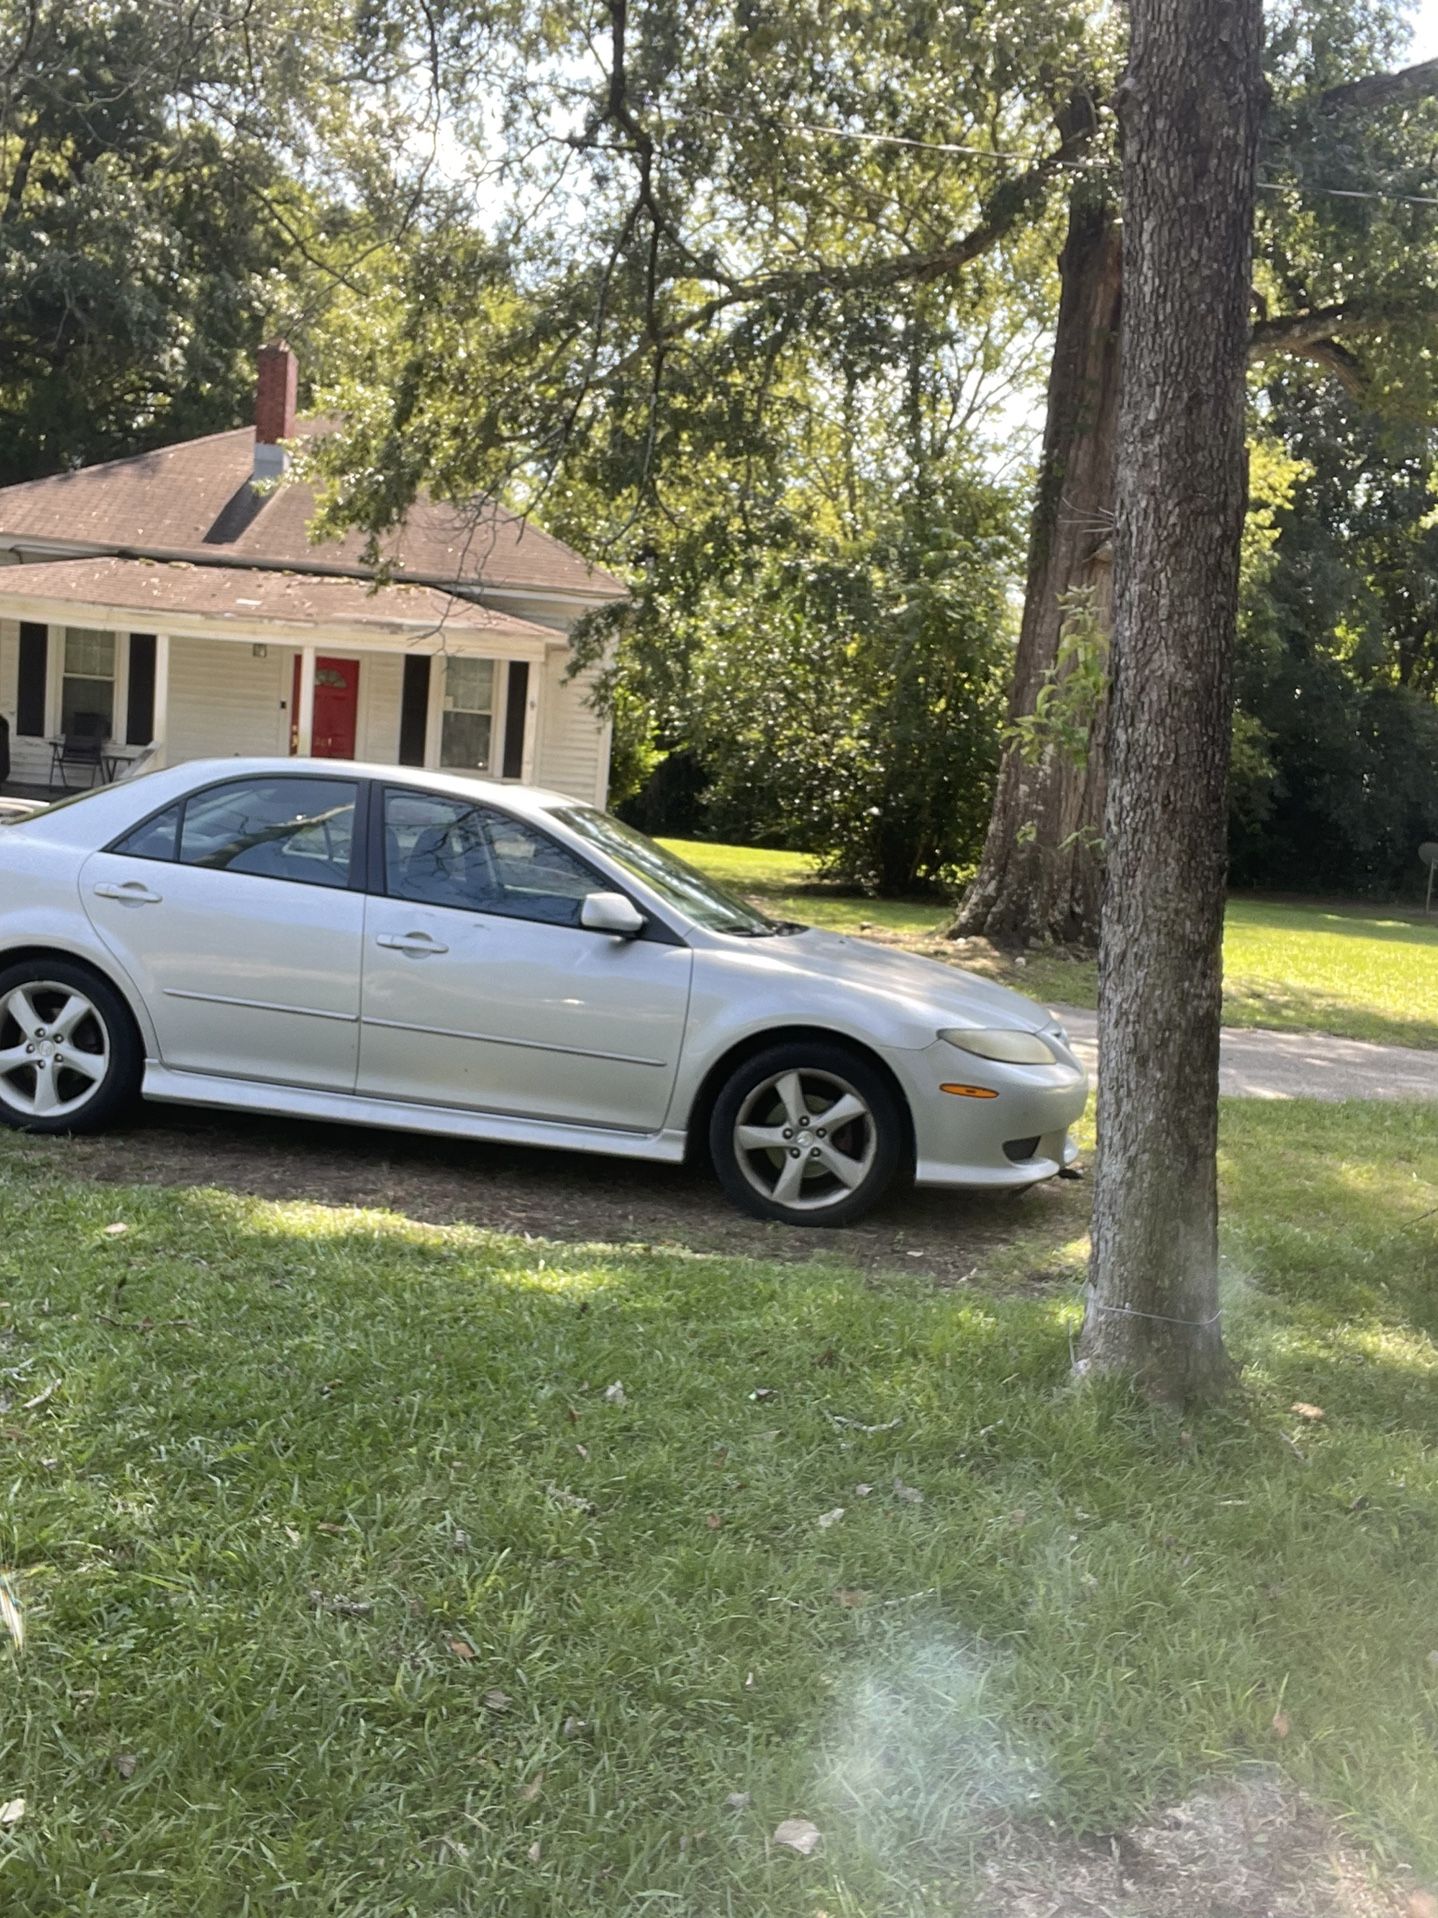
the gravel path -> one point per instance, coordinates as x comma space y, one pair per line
1256, 1064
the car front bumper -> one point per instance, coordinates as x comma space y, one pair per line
1017, 1136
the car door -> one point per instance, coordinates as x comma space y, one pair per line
233, 913
482, 990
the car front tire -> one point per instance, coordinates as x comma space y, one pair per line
70, 1057
808, 1133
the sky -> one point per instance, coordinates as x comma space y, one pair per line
1425, 31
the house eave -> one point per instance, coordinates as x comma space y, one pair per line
387, 636
483, 590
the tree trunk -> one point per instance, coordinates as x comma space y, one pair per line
1191, 106
1041, 871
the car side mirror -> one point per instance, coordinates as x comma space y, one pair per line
611, 912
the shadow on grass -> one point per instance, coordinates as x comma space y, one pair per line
1259, 1004
571, 1197
1299, 918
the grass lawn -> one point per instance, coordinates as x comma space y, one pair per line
1360, 972
353, 1589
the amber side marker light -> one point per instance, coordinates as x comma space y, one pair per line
970, 1092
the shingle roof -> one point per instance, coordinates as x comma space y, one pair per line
254, 596
195, 500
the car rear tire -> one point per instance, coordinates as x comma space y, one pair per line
70, 1057
807, 1132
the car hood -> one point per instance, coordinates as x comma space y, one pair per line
953, 996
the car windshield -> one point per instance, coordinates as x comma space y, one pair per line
677, 884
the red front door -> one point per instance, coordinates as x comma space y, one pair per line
336, 708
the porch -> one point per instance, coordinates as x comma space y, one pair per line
243, 662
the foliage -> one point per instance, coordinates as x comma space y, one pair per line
854, 712
667, 297
169, 194
653, 248
729, 353
1073, 689
1339, 661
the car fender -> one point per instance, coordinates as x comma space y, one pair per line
730, 1007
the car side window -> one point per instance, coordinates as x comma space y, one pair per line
448, 852
156, 839
279, 828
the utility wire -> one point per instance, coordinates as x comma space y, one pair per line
1033, 159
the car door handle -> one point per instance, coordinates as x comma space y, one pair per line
418, 943
134, 892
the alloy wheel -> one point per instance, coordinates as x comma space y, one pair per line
54, 1049
805, 1139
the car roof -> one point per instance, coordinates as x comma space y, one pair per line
203, 772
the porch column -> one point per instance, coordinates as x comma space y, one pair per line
305, 710
531, 721
160, 720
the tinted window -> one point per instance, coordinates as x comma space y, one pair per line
446, 852
301, 829
156, 839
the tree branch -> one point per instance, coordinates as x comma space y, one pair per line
1315, 335
1003, 212
1382, 89
1297, 332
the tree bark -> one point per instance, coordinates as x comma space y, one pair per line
1040, 875
1191, 109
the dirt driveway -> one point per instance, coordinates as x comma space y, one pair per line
578, 1197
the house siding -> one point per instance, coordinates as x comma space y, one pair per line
381, 693
225, 703
573, 755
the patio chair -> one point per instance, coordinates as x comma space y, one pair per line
84, 747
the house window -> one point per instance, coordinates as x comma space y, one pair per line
468, 729
87, 689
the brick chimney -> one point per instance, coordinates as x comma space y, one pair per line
274, 409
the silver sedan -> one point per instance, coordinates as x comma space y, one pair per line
401, 948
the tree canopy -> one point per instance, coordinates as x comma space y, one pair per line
757, 304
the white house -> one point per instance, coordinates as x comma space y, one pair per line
173, 604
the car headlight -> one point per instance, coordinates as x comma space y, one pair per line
1007, 1047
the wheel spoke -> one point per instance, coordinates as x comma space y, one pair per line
791, 1092
47, 1092
21, 1008
89, 1065
760, 1138
786, 1186
844, 1108
75, 1008
849, 1171
10, 1061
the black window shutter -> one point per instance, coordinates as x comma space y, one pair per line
414, 710
140, 707
30, 697
515, 704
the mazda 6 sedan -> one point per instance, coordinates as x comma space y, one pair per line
402, 948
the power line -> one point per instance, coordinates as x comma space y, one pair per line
1036, 159
1346, 193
